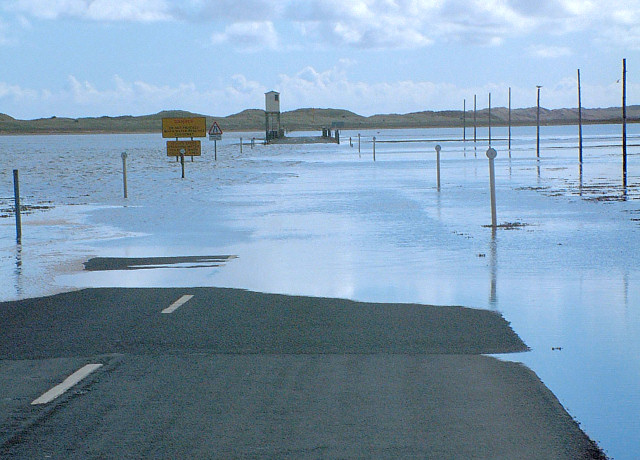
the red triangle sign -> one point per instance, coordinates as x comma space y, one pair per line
215, 129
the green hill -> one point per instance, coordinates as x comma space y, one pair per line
314, 119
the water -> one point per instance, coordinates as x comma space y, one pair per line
323, 220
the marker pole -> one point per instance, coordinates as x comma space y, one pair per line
124, 172
374, 148
438, 148
491, 154
16, 195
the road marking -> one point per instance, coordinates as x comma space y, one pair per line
177, 304
69, 382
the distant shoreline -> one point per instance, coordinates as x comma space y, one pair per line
310, 119
346, 128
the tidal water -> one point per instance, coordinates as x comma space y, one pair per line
326, 220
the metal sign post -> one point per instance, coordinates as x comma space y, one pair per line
215, 135
183, 127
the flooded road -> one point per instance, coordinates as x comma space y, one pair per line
325, 220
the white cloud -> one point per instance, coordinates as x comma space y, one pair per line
549, 52
97, 10
241, 86
248, 36
234, 10
16, 93
84, 98
310, 87
365, 24
333, 88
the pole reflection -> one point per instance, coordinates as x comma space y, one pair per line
580, 183
493, 267
18, 271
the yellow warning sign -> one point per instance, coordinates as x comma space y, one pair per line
184, 127
186, 148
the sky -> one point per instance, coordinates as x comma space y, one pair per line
78, 58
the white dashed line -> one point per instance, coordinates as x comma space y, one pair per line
69, 382
177, 304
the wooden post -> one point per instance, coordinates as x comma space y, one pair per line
579, 120
624, 123
374, 148
464, 120
215, 150
240, 145
124, 172
182, 161
538, 125
509, 122
16, 196
359, 146
474, 118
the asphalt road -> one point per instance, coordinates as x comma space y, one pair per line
236, 374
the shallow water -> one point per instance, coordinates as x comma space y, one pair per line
325, 220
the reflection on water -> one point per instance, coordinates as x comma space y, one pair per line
580, 172
315, 220
18, 270
625, 284
493, 263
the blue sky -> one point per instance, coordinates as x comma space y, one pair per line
131, 57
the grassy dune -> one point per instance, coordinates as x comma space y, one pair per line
314, 119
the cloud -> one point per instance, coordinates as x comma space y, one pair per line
332, 88
372, 24
144, 97
549, 52
82, 98
16, 93
365, 24
225, 10
309, 87
95, 10
248, 36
